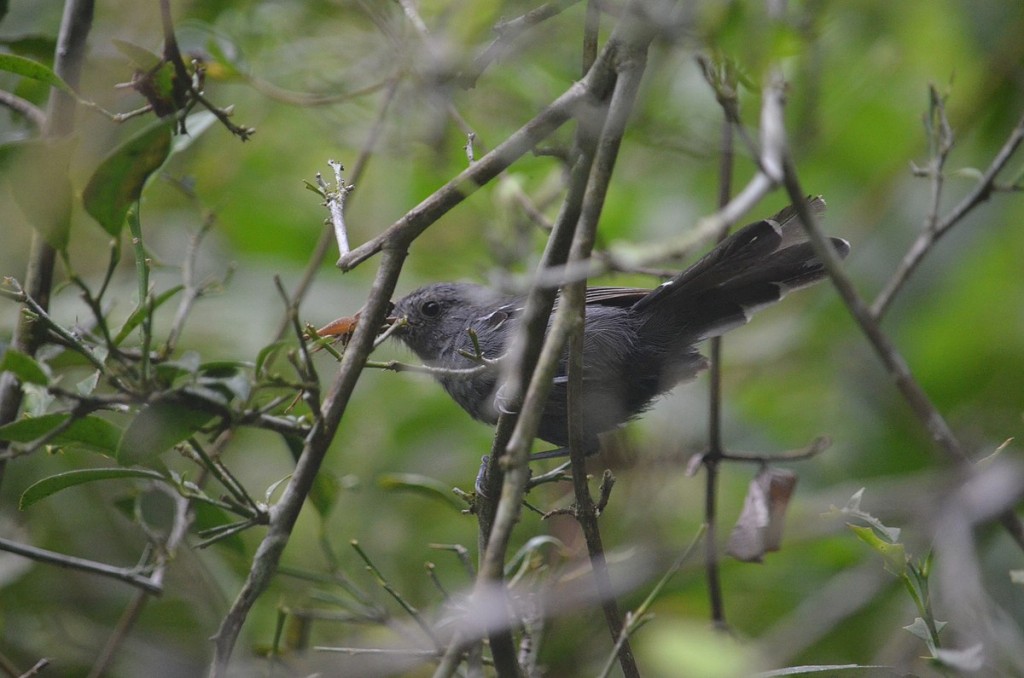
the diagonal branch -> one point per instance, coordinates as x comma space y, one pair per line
926, 412
419, 218
927, 239
286, 512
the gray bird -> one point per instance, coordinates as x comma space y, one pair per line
637, 343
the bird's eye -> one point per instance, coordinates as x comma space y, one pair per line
431, 309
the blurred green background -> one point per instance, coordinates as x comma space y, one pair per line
859, 74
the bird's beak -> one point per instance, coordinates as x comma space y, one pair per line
343, 328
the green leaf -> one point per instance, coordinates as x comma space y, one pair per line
41, 47
93, 432
90, 431
28, 68
229, 378
139, 56
324, 493
41, 186
326, 486
139, 314
118, 181
158, 427
267, 354
420, 484
88, 385
31, 428
894, 554
853, 510
185, 366
24, 367
47, 486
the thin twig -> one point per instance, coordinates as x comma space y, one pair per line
183, 517
23, 107
634, 257
636, 618
334, 199
927, 239
817, 446
127, 575
409, 608
716, 450
327, 233
419, 218
192, 290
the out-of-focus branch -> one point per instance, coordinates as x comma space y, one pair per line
69, 55
24, 108
507, 32
631, 68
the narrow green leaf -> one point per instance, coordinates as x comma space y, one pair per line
139, 56
267, 355
118, 181
894, 554
324, 493
139, 314
158, 427
853, 510
47, 486
31, 428
28, 68
92, 432
24, 367
420, 484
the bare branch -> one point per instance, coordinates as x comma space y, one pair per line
127, 575
284, 514
927, 239
26, 109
